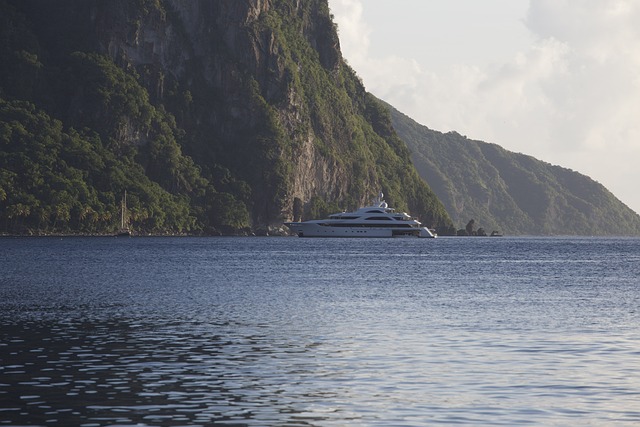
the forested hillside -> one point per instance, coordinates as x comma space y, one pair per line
214, 116
511, 192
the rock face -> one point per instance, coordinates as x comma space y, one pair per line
262, 100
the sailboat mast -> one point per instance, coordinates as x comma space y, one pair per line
124, 208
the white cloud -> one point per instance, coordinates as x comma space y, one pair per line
572, 97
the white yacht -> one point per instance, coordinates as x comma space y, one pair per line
376, 220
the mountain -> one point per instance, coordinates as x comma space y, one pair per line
218, 116
511, 192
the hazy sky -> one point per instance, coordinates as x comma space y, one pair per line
555, 79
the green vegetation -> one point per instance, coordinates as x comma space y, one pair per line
509, 192
53, 180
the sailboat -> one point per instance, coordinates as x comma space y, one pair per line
124, 220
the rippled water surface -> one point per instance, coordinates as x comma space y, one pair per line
319, 332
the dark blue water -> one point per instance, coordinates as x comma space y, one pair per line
319, 332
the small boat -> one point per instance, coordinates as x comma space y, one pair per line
375, 220
124, 230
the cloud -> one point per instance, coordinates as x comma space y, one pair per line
571, 98
599, 91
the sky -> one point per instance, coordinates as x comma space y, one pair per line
555, 79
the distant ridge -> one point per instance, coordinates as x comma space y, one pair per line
511, 192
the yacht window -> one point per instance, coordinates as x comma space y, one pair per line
378, 218
375, 212
369, 225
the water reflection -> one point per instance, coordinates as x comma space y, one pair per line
123, 373
128, 372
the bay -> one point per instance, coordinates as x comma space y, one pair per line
321, 332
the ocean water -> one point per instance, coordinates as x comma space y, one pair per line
319, 332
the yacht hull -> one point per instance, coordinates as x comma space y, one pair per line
305, 229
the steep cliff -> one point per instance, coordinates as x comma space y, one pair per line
228, 106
